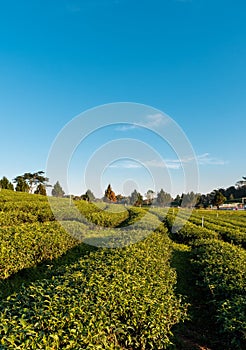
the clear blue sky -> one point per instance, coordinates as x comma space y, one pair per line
186, 58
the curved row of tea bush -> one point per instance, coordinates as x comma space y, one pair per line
88, 213
226, 215
7, 196
221, 270
161, 213
187, 226
227, 233
107, 219
135, 214
138, 225
18, 216
185, 232
111, 299
235, 221
17, 208
142, 219
26, 245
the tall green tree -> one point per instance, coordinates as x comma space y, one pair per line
177, 201
232, 191
57, 190
218, 199
88, 196
136, 198
190, 199
203, 201
21, 184
163, 198
5, 184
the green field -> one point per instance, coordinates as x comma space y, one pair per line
107, 276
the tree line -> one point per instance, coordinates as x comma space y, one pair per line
37, 183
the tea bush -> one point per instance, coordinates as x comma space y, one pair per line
112, 299
221, 270
183, 231
24, 246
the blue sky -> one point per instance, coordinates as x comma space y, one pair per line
183, 57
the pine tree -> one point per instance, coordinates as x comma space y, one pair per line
5, 184
136, 198
88, 196
163, 198
57, 190
21, 185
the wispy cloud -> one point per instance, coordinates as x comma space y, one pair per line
202, 159
155, 120
169, 164
126, 164
206, 159
150, 121
174, 164
126, 127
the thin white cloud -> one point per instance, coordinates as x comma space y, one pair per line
162, 164
150, 164
150, 121
126, 164
174, 164
155, 120
203, 159
126, 127
206, 159
154, 163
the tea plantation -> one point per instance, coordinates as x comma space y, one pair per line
104, 276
